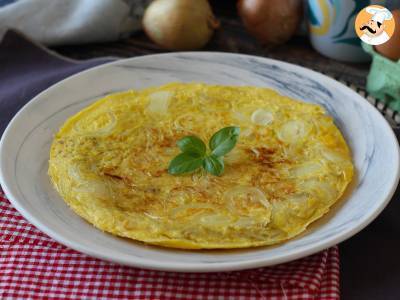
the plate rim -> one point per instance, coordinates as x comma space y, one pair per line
199, 266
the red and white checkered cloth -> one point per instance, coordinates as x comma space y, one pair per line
33, 266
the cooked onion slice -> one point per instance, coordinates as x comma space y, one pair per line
213, 220
75, 173
103, 125
308, 169
248, 201
262, 117
337, 162
302, 205
240, 117
235, 156
191, 206
247, 132
96, 188
159, 102
294, 131
246, 194
319, 189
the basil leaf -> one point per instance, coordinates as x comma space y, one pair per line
224, 140
194, 150
214, 165
185, 163
192, 144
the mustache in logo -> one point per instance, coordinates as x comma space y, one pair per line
368, 28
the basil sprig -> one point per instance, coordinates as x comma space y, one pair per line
195, 155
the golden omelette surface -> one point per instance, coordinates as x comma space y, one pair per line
109, 162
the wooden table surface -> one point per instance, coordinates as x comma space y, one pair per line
231, 37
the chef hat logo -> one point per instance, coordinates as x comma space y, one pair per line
374, 25
379, 14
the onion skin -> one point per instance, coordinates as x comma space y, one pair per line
179, 24
271, 22
391, 49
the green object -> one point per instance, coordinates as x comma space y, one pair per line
214, 165
185, 163
194, 152
224, 140
192, 144
383, 80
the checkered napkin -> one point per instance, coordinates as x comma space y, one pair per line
33, 266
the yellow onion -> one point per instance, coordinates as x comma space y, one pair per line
179, 24
272, 22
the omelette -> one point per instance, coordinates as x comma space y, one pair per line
109, 162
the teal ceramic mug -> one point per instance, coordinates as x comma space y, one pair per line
331, 26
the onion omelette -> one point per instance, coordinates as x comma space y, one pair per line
109, 162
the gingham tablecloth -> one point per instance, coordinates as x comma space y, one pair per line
33, 266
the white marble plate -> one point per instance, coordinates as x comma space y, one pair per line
24, 152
